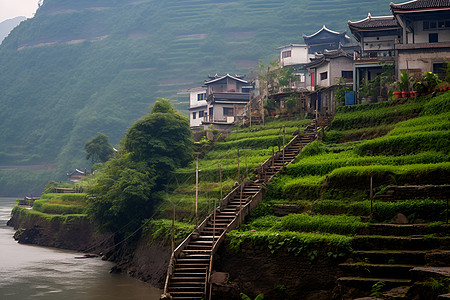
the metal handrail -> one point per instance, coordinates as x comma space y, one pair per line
232, 225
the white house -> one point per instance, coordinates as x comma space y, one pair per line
198, 107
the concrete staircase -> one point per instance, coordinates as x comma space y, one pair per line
191, 263
387, 253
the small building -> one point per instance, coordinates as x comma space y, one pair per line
299, 55
425, 46
325, 39
330, 70
226, 99
76, 175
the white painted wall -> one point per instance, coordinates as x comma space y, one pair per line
299, 55
421, 36
193, 104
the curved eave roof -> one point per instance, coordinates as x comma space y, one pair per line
375, 23
420, 5
229, 76
324, 28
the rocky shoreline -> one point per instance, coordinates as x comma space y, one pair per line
139, 258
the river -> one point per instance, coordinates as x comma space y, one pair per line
33, 272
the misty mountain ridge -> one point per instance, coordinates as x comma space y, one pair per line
8, 25
82, 67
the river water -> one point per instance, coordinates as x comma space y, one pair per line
33, 272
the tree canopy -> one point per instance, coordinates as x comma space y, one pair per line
130, 186
99, 150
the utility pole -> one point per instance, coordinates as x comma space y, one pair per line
196, 193
221, 195
284, 141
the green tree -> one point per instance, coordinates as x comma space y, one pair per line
98, 149
130, 185
162, 139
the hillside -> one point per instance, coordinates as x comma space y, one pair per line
316, 221
82, 67
8, 25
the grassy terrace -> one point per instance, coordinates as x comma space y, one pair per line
255, 145
396, 142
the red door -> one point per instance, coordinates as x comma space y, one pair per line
313, 79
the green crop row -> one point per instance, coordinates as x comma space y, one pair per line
325, 163
357, 177
407, 143
345, 225
426, 209
294, 242
376, 114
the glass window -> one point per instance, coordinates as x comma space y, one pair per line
347, 74
228, 111
433, 38
194, 115
201, 113
426, 25
323, 75
285, 54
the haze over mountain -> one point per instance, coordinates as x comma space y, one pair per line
8, 25
82, 67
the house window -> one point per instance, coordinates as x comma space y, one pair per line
228, 111
300, 77
433, 38
201, 96
433, 25
323, 75
440, 69
285, 54
194, 115
201, 114
347, 74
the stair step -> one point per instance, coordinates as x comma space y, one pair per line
377, 270
394, 256
399, 243
366, 284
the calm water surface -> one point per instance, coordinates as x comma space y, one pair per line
32, 272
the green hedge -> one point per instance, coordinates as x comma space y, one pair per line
406, 144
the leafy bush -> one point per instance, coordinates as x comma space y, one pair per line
161, 230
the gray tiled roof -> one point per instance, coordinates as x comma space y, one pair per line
420, 4
375, 22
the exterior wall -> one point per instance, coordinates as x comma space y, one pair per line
193, 104
421, 36
299, 55
337, 66
321, 69
379, 43
193, 97
421, 60
218, 115
198, 120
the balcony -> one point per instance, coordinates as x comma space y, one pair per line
374, 56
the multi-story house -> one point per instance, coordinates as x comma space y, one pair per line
425, 46
220, 102
377, 37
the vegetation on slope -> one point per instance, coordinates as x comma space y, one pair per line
82, 67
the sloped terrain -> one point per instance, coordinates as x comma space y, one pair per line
83, 67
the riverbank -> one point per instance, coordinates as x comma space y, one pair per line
140, 257
34, 272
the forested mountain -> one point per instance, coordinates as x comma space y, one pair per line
8, 25
87, 66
